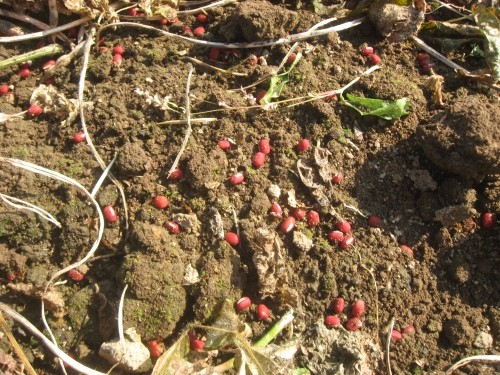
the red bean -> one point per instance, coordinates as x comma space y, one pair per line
262, 312
110, 214
197, 345
117, 59
118, 50
175, 175
332, 321
288, 224
303, 145
353, 324
236, 178
336, 236
337, 178
375, 59
24, 72
155, 350
396, 335
259, 159
232, 238
347, 242
366, 51
75, 275
312, 218
35, 110
299, 213
408, 330
276, 210
172, 227
199, 31
488, 220
406, 249
224, 144
4, 89
375, 221
264, 146
79, 137
214, 53
201, 18
358, 308
338, 305
160, 201
344, 226
243, 304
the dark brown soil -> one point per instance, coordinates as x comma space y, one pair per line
429, 175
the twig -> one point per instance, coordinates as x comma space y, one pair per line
263, 43
189, 130
33, 21
77, 366
30, 207
202, 120
16, 346
43, 34
52, 49
388, 347
196, 61
120, 315
489, 358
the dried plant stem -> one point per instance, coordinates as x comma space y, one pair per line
53, 348
33, 21
263, 43
43, 34
388, 347
196, 61
30, 207
15, 345
81, 88
488, 358
215, 4
189, 130
52, 49
201, 120
120, 315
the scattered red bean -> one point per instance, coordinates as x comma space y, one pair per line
353, 324
224, 144
201, 18
199, 31
232, 238
236, 178
110, 214
155, 350
422, 56
75, 275
260, 95
243, 303
117, 59
375, 221
375, 59
299, 213
25, 64
172, 227
488, 220
197, 344
4, 89
367, 51
291, 58
347, 242
164, 21
358, 308
175, 175
103, 49
288, 224
276, 210
336, 236
186, 30
264, 146
48, 64
259, 159
338, 305
79, 137
406, 249
344, 226
262, 312
118, 50
132, 12
337, 177
408, 330
303, 145
35, 110
252, 60
10, 276
396, 335
332, 321
427, 66
312, 218
24, 72
214, 53
161, 201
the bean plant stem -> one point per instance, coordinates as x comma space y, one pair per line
263, 43
388, 347
274, 330
52, 49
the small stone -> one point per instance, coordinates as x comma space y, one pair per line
483, 340
274, 192
302, 242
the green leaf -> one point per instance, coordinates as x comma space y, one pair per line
488, 20
278, 82
225, 328
174, 355
377, 107
301, 371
